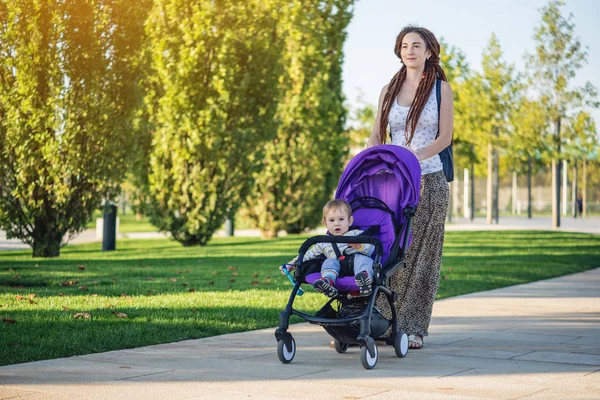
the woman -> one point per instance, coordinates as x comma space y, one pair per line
408, 103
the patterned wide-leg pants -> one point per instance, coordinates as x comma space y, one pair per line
418, 283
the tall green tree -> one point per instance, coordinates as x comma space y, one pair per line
304, 161
558, 56
211, 97
67, 94
499, 91
527, 147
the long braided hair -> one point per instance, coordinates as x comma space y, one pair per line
432, 72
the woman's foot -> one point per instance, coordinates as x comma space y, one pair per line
415, 342
325, 286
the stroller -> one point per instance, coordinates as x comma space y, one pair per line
382, 186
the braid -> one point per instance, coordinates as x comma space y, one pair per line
389, 98
432, 72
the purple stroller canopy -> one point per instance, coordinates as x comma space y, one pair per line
389, 173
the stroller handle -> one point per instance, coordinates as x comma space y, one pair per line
337, 239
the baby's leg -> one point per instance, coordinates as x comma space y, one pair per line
329, 273
363, 274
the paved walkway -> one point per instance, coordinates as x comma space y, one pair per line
568, 224
535, 341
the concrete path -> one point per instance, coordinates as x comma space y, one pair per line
533, 341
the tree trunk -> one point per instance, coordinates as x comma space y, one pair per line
466, 194
514, 208
472, 191
496, 185
556, 181
489, 190
574, 189
584, 190
529, 187
565, 187
48, 245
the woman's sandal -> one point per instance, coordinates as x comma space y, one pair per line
415, 342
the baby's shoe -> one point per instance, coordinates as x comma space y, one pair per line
325, 286
363, 281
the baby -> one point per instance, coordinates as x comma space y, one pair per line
337, 217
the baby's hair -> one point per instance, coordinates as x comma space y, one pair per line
337, 205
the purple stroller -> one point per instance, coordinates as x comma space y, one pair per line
382, 186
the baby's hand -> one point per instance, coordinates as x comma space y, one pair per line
289, 267
355, 245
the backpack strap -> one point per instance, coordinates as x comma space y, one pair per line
438, 97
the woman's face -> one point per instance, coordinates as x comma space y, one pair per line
413, 51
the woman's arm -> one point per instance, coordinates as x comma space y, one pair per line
446, 125
375, 138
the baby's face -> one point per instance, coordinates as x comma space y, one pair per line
337, 222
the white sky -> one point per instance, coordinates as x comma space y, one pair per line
370, 62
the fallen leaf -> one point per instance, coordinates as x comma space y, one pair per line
114, 278
66, 308
32, 296
17, 277
149, 278
120, 315
10, 269
81, 267
232, 268
173, 279
185, 284
110, 306
61, 294
8, 320
94, 295
82, 315
194, 310
215, 272
192, 290
255, 275
254, 282
450, 269
32, 302
211, 282
83, 288
231, 280
234, 274
123, 295
69, 283
19, 297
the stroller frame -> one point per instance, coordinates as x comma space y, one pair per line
286, 346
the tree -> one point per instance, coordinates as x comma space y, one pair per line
527, 146
211, 97
304, 162
558, 56
500, 88
581, 144
67, 94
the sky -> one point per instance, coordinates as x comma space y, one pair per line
370, 62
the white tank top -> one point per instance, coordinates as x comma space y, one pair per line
425, 133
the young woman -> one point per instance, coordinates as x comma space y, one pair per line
408, 104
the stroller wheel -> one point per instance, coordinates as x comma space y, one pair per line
340, 347
401, 343
286, 355
366, 360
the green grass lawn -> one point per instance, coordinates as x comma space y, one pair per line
155, 291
